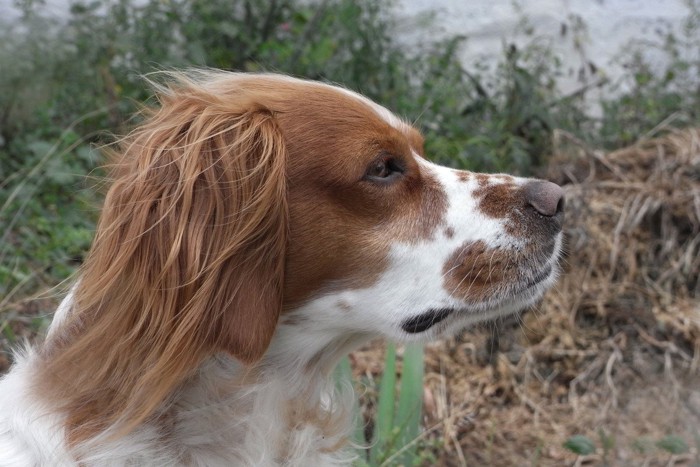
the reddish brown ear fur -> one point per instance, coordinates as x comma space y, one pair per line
188, 260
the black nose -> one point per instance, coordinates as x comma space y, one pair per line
546, 197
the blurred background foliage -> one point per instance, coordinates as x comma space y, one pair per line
67, 85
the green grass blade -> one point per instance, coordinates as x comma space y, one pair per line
343, 376
408, 413
384, 421
343, 372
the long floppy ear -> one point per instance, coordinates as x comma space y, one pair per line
188, 259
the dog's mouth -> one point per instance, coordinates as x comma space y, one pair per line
426, 320
538, 278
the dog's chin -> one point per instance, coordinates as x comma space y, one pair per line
440, 322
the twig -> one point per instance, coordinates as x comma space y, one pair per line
667, 346
660, 126
458, 450
580, 91
668, 369
614, 356
600, 157
14, 290
538, 409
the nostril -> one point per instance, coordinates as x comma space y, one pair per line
546, 197
560, 205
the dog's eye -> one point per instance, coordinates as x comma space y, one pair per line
384, 169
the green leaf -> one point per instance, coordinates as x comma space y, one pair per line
40, 148
408, 413
343, 376
302, 16
229, 29
343, 372
643, 445
322, 51
9, 333
673, 444
580, 445
86, 154
608, 441
58, 172
385, 407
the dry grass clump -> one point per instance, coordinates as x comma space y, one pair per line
612, 353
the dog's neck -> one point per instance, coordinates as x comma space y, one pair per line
282, 411
288, 409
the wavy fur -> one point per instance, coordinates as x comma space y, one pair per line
187, 261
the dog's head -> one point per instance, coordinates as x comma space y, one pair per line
383, 242
245, 202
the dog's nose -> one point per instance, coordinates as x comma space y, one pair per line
546, 197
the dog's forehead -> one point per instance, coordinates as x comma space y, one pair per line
387, 116
382, 112
373, 112
330, 94
322, 103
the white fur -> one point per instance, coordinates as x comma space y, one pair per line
246, 427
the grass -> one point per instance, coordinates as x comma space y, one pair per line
395, 433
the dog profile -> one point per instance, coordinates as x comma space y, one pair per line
258, 228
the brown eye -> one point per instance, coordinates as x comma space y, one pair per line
379, 169
384, 169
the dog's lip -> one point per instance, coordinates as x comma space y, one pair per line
424, 321
539, 277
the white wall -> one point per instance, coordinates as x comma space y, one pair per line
611, 26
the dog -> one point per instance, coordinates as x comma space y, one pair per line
258, 228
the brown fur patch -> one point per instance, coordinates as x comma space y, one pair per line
499, 201
473, 271
464, 176
483, 180
416, 140
293, 319
503, 177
